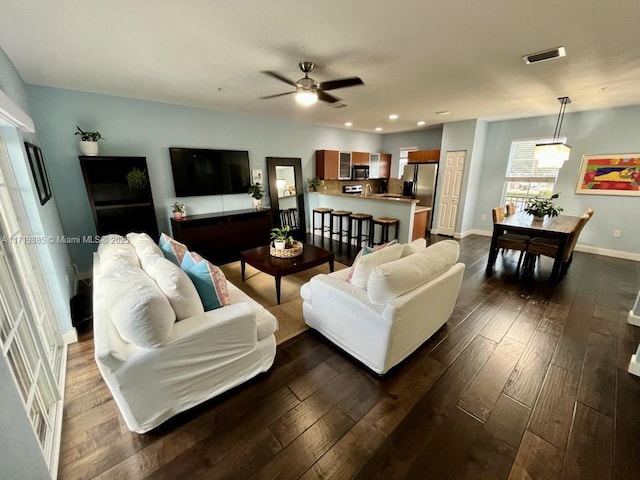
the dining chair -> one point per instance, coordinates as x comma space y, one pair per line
549, 247
511, 209
510, 241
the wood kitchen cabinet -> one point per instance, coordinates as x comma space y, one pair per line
420, 223
327, 162
424, 156
360, 158
385, 165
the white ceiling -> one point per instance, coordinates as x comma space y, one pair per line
416, 57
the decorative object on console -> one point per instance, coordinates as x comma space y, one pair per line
137, 179
554, 154
313, 183
257, 194
179, 211
284, 245
39, 172
88, 142
539, 207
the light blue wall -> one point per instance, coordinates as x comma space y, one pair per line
426, 139
593, 132
44, 220
136, 127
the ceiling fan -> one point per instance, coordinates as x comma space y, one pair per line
308, 91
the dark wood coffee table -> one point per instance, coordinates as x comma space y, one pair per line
261, 259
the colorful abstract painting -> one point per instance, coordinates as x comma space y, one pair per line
610, 174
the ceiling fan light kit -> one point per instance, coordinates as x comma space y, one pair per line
554, 154
308, 91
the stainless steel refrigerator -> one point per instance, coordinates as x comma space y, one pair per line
419, 181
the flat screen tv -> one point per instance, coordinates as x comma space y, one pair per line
200, 171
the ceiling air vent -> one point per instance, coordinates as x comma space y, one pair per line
545, 55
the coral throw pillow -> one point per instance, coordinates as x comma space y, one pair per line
209, 280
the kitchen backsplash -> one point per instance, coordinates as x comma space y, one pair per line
335, 186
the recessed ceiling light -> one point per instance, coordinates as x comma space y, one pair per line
378, 129
393, 116
421, 122
443, 112
347, 124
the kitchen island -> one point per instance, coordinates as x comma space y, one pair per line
378, 205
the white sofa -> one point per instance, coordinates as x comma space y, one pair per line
155, 363
406, 300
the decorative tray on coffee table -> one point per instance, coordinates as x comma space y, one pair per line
292, 251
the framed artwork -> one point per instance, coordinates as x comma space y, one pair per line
607, 174
39, 172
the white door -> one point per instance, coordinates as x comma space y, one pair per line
450, 192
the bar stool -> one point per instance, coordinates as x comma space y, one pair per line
342, 231
323, 211
363, 228
385, 223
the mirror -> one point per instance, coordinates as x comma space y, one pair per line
286, 193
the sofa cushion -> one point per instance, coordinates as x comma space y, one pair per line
366, 250
143, 244
172, 249
210, 283
418, 245
393, 279
114, 246
175, 284
138, 309
370, 261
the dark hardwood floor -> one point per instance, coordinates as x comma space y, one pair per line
526, 380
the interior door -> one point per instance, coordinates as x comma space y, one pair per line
450, 194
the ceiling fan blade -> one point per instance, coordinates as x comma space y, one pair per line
279, 77
277, 95
342, 83
325, 97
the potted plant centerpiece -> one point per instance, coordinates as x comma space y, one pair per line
539, 207
257, 194
281, 238
178, 211
137, 179
89, 142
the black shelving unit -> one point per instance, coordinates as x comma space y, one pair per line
116, 208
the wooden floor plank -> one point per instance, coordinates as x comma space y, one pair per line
527, 322
537, 459
598, 380
494, 451
553, 413
503, 319
589, 453
627, 427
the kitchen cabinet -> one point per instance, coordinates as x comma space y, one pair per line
327, 164
344, 166
359, 158
384, 168
420, 222
424, 156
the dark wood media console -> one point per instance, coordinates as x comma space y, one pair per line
220, 237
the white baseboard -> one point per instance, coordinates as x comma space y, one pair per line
633, 319
634, 366
70, 337
482, 233
608, 253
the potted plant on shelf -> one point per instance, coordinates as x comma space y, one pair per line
137, 179
313, 183
281, 238
178, 211
257, 194
539, 207
89, 142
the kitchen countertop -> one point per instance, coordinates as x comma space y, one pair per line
420, 209
382, 197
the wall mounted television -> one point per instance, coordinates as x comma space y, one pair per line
201, 171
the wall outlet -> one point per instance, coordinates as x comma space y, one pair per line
483, 217
617, 233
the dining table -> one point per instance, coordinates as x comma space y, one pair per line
559, 227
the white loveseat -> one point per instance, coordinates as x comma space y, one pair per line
154, 363
405, 301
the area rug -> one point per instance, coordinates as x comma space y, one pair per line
262, 288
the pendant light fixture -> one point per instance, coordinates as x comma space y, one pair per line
554, 154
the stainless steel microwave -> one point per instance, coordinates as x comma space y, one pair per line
360, 172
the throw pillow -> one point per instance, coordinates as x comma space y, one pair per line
172, 249
210, 283
143, 244
365, 251
418, 245
189, 260
371, 260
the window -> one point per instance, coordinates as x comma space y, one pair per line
404, 159
524, 180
